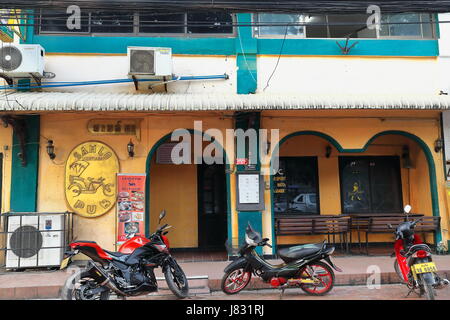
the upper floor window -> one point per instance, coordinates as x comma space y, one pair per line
103, 22
276, 25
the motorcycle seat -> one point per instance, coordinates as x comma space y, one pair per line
118, 255
298, 252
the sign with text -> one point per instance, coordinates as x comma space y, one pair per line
90, 175
130, 206
250, 191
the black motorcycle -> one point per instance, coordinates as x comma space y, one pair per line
303, 267
129, 272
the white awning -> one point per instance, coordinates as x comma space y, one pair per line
85, 101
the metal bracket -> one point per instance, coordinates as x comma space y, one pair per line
18, 129
8, 80
37, 79
346, 49
136, 83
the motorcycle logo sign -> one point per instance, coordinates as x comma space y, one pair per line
90, 179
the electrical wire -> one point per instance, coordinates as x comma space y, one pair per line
278, 60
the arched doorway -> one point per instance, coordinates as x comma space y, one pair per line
394, 168
195, 197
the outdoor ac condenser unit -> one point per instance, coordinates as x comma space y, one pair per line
35, 240
150, 61
22, 60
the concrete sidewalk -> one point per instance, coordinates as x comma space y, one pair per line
47, 284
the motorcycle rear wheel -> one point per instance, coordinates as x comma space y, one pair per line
77, 285
176, 280
325, 275
427, 288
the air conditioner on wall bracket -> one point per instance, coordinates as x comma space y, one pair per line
22, 60
35, 240
149, 62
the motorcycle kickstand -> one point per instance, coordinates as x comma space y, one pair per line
412, 290
282, 292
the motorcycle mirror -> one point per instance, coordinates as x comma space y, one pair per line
162, 215
407, 209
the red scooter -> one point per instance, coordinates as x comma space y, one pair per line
414, 263
128, 272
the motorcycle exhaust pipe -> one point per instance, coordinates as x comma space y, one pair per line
106, 281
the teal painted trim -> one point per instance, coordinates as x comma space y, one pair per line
118, 45
24, 180
364, 47
252, 217
7, 32
148, 163
246, 60
419, 141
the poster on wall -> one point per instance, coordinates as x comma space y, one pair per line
130, 206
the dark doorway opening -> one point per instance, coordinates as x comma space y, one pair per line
1, 180
212, 207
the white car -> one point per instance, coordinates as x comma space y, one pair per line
304, 202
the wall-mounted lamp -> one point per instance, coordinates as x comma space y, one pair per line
438, 145
130, 148
406, 159
51, 149
327, 151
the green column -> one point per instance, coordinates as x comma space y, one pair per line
246, 50
24, 178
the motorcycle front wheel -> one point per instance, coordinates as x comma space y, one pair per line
78, 287
235, 280
176, 280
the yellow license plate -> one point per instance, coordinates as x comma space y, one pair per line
64, 263
425, 267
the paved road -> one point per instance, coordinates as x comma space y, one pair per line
386, 292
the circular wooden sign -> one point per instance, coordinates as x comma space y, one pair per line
90, 179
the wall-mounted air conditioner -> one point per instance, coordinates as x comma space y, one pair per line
35, 240
22, 60
150, 61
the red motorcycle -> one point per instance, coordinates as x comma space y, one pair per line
414, 263
128, 272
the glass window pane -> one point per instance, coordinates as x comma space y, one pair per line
56, 21
111, 22
320, 30
209, 22
296, 186
427, 26
277, 24
404, 30
161, 23
354, 26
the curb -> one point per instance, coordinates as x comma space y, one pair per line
53, 291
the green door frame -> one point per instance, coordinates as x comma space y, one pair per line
419, 141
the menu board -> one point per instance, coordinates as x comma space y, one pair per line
130, 206
249, 188
250, 191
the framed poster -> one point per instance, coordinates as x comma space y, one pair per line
250, 191
130, 206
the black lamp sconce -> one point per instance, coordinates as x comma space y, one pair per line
130, 148
327, 151
51, 149
438, 145
406, 159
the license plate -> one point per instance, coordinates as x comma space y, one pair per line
425, 267
64, 263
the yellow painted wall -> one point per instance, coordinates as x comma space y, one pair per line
68, 130
5, 148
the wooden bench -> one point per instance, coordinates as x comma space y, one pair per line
428, 224
315, 225
378, 225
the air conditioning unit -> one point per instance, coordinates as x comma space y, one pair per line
35, 240
22, 60
150, 61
